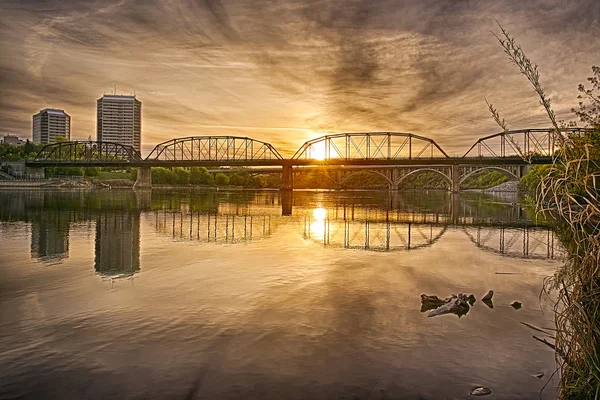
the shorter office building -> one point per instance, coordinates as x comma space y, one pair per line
12, 140
49, 124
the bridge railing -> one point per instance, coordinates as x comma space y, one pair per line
370, 146
214, 148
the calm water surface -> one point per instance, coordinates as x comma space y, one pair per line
190, 295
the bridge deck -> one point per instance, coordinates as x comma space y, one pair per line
474, 161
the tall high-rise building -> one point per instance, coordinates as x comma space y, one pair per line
49, 124
120, 120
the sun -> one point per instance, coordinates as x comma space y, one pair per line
317, 151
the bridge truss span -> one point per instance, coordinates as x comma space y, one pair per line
521, 143
214, 148
370, 146
87, 152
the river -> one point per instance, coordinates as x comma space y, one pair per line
216, 295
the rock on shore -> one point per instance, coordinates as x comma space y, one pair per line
509, 186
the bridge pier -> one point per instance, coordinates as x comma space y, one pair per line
455, 208
455, 178
287, 190
338, 180
144, 178
524, 170
143, 199
287, 202
394, 176
287, 181
35, 172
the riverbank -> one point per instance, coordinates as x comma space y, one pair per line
45, 183
505, 187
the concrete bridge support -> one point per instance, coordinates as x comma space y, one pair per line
287, 190
144, 178
287, 178
143, 199
455, 179
338, 180
524, 170
455, 210
34, 172
287, 202
394, 177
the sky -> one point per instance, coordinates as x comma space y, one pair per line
286, 71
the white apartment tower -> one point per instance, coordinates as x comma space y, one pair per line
49, 124
120, 120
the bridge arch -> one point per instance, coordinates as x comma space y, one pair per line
509, 174
214, 148
370, 146
319, 172
446, 178
374, 172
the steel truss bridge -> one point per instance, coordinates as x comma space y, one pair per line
391, 155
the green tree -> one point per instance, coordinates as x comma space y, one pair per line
68, 171
91, 171
260, 181
181, 176
162, 175
28, 148
200, 176
207, 179
221, 179
236, 180
589, 102
196, 175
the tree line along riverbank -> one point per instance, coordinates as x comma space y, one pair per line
199, 176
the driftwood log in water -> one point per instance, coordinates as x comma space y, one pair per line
455, 304
488, 296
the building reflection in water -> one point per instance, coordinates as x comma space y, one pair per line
50, 236
117, 245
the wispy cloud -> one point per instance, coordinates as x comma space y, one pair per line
284, 71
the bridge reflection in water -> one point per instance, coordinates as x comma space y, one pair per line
369, 222
212, 228
380, 230
528, 242
370, 233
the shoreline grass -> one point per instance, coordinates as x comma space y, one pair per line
567, 195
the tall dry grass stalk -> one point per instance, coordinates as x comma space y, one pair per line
568, 196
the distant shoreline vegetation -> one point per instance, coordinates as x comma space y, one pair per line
199, 176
